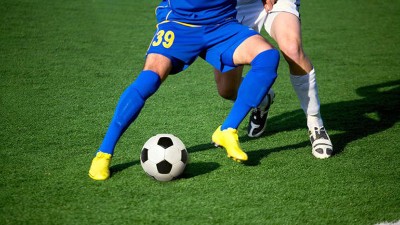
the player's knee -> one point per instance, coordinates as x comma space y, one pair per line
292, 51
228, 93
266, 63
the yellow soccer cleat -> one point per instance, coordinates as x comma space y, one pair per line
99, 170
228, 139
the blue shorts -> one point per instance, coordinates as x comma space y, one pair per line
183, 43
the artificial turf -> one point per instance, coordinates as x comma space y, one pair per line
63, 65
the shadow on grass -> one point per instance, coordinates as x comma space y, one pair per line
201, 147
191, 170
198, 168
119, 167
376, 111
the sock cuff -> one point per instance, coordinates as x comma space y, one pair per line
268, 58
301, 79
312, 73
147, 83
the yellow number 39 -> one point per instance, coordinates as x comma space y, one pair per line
166, 38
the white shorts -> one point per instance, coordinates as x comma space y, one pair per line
252, 14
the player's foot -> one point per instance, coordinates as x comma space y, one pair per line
229, 139
258, 117
100, 168
321, 143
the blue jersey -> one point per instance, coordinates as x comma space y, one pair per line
201, 12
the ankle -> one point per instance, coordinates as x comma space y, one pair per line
314, 121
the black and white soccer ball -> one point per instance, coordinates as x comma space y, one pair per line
164, 157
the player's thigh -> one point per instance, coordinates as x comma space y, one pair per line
159, 64
286, 30
180, 43
249, 49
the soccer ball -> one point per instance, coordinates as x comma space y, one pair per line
164, 157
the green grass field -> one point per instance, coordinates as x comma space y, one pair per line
63, 65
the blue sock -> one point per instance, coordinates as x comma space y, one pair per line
254, 87
129, 105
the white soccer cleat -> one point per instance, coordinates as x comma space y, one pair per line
321, 143
258, 117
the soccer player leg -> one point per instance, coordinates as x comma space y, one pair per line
251, 92
253, 14
285, 28
306, 89
228, 83
254, 86
129, 105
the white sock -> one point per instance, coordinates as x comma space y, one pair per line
307, 92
